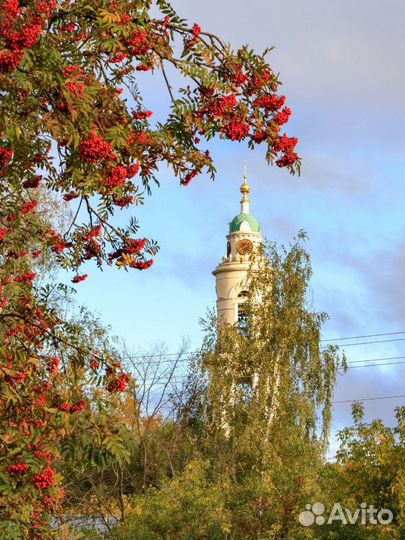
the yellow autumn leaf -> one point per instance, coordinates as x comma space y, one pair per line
7, 438
108, 17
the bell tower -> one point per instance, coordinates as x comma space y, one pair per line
243, 240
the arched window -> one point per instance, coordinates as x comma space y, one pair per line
242, 315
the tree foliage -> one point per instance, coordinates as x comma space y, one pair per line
217, 462
272, 369
72, 120
257, 406
68, 69
369, 468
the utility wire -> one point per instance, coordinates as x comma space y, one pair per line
186, 360
377, 359
183, 376
179, 353
350, 367
368, 399
376, 365
370, 342
160, 355
366, 336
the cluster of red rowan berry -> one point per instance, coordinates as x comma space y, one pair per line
20, 29
94, 149
45, 479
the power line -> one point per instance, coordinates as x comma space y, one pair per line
161, 354
368, 399
350, 365
337, 402
180, 353
366, 336
371, 342
364, 360
162, 379
377, 359
376, 365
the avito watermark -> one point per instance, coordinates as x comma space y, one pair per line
315, 513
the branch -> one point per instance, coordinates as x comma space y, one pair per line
166, 80
79, 349
74, 219
213, 37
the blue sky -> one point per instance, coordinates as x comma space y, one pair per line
342, 68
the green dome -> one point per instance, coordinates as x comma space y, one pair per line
237, 221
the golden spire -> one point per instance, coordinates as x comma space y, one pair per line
245, 189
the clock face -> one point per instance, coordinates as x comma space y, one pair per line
244, 247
